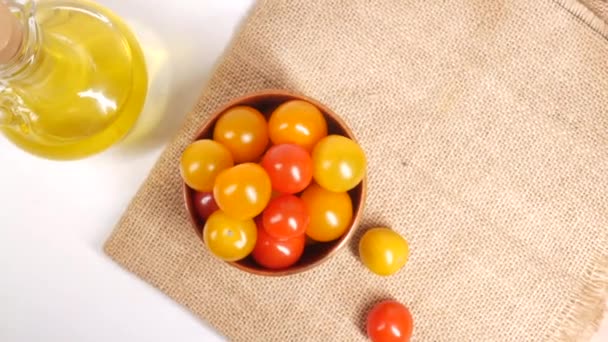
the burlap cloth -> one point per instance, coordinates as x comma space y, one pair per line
486, 128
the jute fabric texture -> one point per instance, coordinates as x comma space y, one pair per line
485, 124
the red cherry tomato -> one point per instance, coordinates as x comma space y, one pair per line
289, 166
276, 254
389, 321
285, 217
205, 204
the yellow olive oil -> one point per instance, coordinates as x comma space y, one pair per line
85, 85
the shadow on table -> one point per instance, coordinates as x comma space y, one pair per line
178, 67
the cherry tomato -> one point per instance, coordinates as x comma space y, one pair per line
202, 161
285, 217
330, 213
297, 122
277, 254
242, 191
244, 131
383, 251
205, 204
289, 167
339, 163
228, 238
389, 321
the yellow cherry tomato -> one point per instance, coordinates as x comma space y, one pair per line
228, 238
244, 131
383, 251
297, 122
330, 213
242, 191
339, 163
202, 161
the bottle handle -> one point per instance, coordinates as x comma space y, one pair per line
13, 111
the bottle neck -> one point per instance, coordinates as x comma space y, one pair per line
13, 111
17, 67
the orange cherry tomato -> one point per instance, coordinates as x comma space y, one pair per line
277, 254
389, 321
228, 238
244, 131
330, 213
297, 122
339, 163
202, 161
242, 191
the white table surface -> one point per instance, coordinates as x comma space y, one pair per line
56, 284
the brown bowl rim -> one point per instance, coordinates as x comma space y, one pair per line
363, 184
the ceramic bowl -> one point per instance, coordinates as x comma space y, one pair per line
315, 253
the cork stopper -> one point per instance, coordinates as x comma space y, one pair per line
11, 34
